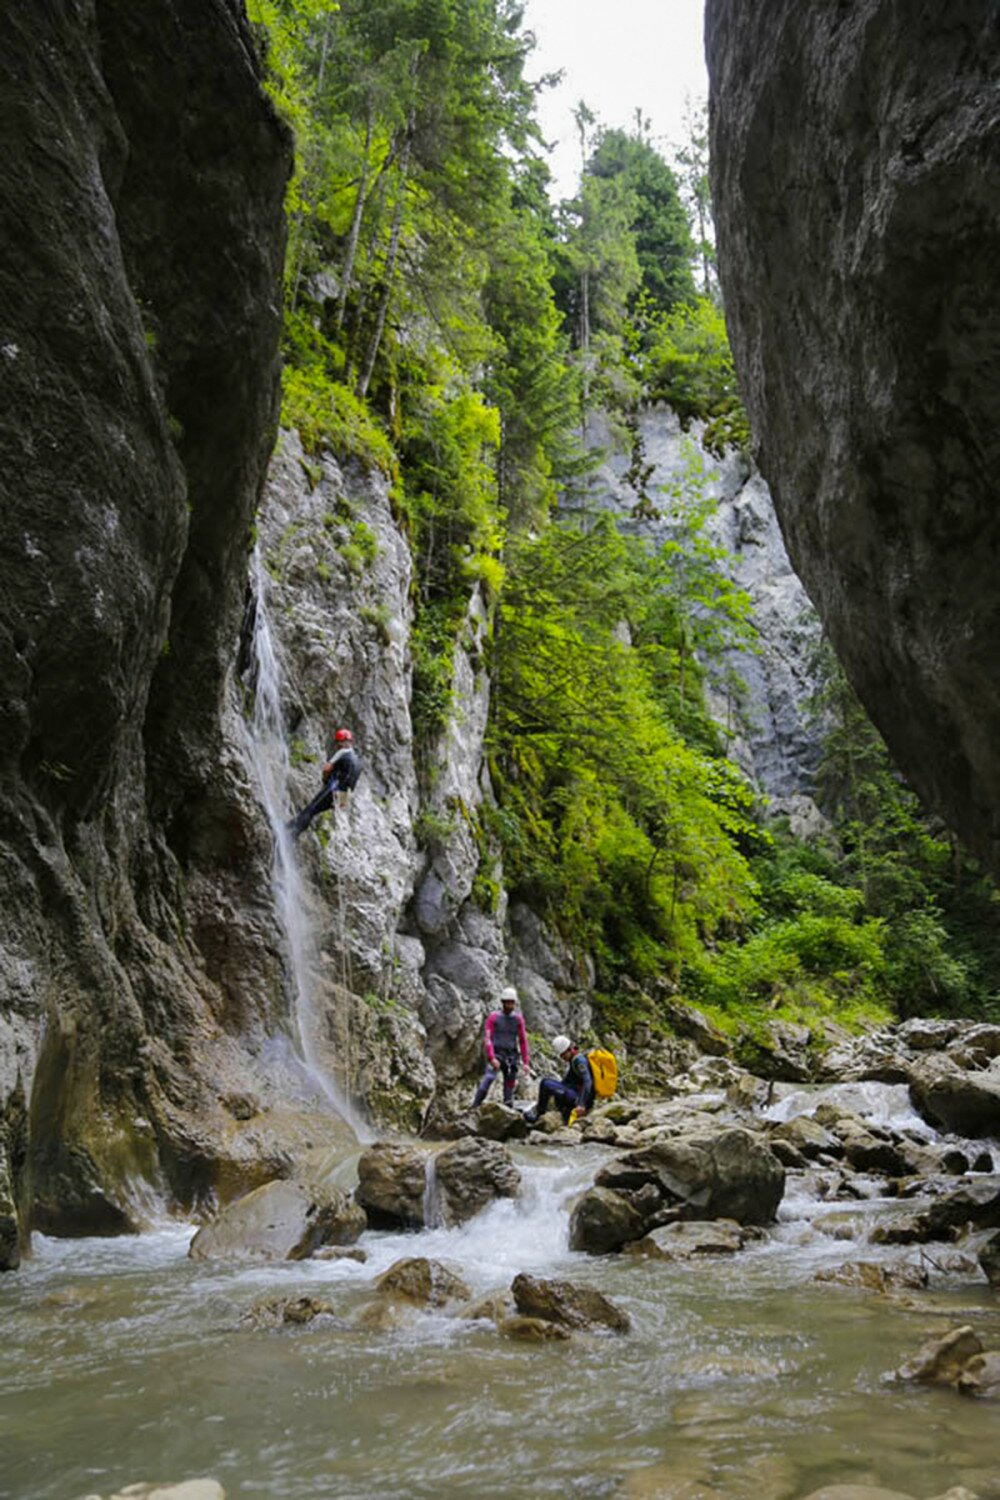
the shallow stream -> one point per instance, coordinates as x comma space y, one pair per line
742, 1377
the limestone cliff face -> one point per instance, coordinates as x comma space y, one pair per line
856, 172
405, 898
771, 734
141, 182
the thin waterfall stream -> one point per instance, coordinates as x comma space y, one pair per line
268, 754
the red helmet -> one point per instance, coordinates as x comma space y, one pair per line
343, 737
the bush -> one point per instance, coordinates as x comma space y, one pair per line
690, 365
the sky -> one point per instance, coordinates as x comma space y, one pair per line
616, 55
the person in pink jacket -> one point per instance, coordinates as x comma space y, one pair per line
506, 1043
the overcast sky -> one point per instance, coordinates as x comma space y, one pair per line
616, 54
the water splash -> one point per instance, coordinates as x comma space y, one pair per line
885, 1104
267, 749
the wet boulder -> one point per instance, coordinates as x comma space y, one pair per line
926, 1035
951, 1099
808, 1137
391, 1184
566, 1304
532, 1330
940, 1361
272, 1312
687, 1241
780, 1051
725, 1174
872, 1276
498, 1122
492, 1308
280, 1221
856, 1492
418, 1279
470, 1174
974, 1204
603, 1221
981, 1377
187, 1489
874, 1151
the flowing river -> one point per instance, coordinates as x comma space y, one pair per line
742, 1377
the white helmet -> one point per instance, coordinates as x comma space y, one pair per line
561, 1044
510, 993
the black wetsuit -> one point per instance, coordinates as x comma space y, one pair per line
574, 1089
344, 770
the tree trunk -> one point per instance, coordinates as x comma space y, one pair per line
347, 270
364, 379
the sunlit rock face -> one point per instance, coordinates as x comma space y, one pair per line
856, 173
142, 175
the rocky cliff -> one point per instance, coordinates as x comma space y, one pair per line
407, 912
856, 171
770, 731
142, 174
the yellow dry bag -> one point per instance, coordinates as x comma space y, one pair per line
605, 1071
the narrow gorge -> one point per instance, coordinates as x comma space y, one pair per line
319, 412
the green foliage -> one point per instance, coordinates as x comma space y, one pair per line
328, 415
626, 834
690, 365
658, 222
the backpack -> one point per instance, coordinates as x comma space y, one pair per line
605, 1071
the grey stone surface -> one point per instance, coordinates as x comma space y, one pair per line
280, 1221
773, 738
856, 168
141, 318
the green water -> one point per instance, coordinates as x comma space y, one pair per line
123, 1360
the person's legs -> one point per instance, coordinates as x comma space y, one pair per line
548, 1089
485, 1084
508, 1066
319, 804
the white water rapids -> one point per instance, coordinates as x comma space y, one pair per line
742, 1378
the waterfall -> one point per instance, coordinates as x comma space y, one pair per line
432, 1194
267, 749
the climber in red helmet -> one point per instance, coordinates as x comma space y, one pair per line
340, 776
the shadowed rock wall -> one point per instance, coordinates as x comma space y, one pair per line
142, 173
856, 176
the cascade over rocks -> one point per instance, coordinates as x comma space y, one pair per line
470, 1174
962, 1102
856, 169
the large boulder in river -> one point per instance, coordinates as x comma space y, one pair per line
724, 1174
470, 1174
941, 1360
603, 1221
426, 1282
392, 1181
566, 1304
498, 1122
963, 1103
280, 1221
855, 175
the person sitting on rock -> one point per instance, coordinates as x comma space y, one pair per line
573, 1093
340, 777
505, 1038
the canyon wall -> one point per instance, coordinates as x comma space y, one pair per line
856, 173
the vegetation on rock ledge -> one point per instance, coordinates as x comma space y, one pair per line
449, 327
